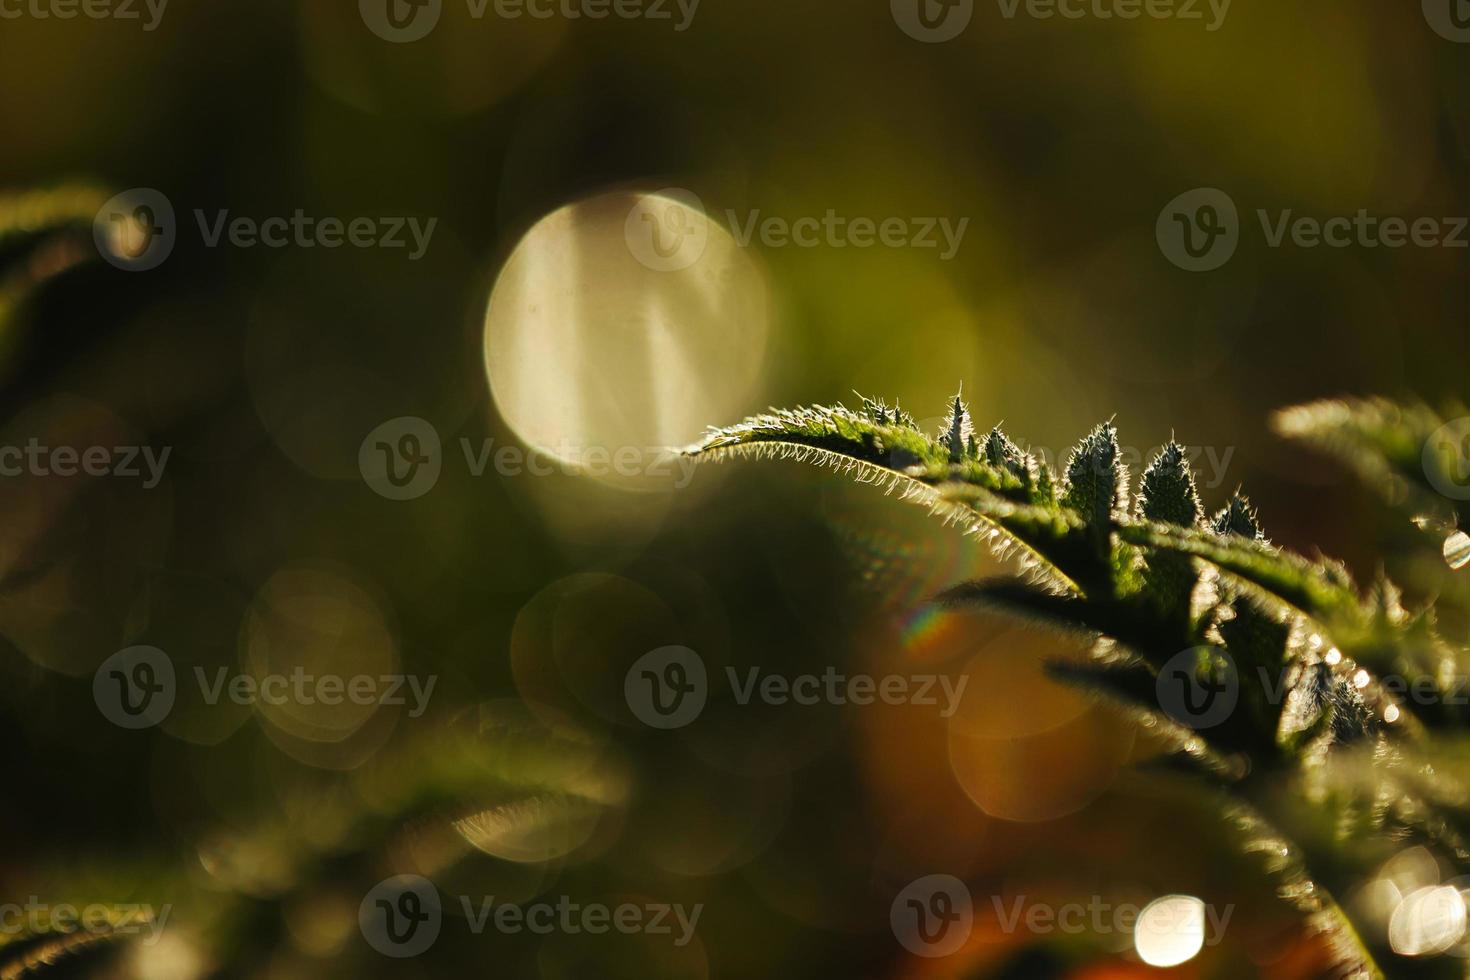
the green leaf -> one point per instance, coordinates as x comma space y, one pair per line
1239, 518
1130, 687
31, 214
56, 947
1003, 454
1013, 597
1097, 480
1151, 578
1118, 619
1005, 506
1053, 540
1320, 590
1167, 492
959, 439
43, 233
849, 440
1390, 446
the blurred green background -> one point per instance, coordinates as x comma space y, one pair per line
529, 597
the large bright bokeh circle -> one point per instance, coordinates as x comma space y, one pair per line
623, 324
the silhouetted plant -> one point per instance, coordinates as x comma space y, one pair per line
1324, 769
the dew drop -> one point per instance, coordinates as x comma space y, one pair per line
1457, 549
